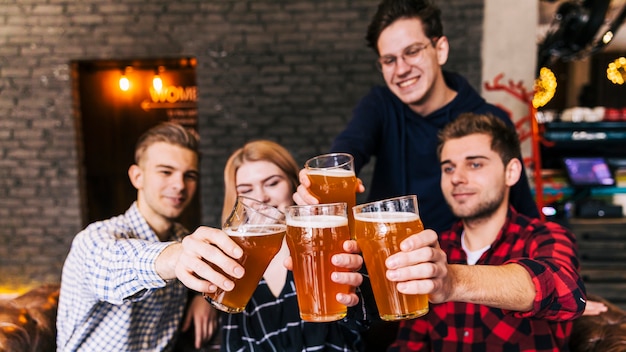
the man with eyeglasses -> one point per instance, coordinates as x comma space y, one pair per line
398, 124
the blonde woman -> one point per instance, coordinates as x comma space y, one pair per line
266, 171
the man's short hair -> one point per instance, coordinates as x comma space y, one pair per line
504, 139
168, 132
391, 10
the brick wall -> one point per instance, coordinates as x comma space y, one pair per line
289, 71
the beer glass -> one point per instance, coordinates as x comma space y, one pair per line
380, 227
333, 180
259, 230
314, 234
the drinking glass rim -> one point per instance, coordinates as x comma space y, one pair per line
350, 160
323, 205
408, 196
264, 204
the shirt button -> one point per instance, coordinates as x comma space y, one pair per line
466, 333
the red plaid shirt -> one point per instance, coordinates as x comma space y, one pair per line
549, 253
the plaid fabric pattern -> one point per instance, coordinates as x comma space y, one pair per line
272, 323
549, 253
111, 297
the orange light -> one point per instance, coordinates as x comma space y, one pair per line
124, 83
616, 71
545, 87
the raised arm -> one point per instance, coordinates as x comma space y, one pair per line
421, 268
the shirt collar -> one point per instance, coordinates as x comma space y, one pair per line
511, 217
145, 232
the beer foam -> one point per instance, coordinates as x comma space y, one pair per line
331, 172
387, 216
317, 221
256, 230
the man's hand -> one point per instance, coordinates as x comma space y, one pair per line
208, 245
594, 308
302, 195
421, 267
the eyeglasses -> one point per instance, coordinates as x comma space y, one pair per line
412, 55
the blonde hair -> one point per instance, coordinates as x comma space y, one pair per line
260, 150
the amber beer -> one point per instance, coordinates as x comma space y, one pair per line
259, 246
259, 229
380, 227
333, 180
314, 234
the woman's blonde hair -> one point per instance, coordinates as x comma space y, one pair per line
260, 150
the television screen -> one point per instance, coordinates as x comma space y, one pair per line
588, 171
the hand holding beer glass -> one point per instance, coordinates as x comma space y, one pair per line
380, 228
259, 230
314, 234
333, 180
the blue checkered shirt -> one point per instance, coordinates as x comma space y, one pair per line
112, 298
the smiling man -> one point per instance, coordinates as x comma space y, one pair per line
498, 280
398, 124
118, 288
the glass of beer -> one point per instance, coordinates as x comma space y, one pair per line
380, 227
333, 180
314, 234
259, 229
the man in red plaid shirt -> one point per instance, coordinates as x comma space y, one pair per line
498, 280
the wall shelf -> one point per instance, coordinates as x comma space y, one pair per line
568, 191
606, 131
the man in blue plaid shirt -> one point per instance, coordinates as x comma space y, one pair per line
119, 289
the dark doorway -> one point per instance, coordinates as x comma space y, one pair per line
111, 117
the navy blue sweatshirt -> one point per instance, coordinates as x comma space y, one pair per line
404, 144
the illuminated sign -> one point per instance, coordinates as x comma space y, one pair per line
171, 97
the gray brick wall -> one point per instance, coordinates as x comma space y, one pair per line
289, 71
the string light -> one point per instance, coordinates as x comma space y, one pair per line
616, 71
124, 82
545, 87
